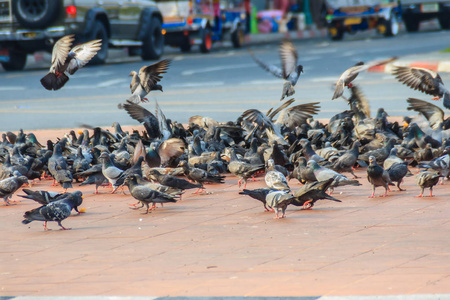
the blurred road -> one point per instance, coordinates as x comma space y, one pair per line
221, 84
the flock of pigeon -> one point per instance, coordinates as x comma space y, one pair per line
159, 164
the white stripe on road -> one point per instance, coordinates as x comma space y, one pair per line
200, 84
12, 88
215, 69
112, 82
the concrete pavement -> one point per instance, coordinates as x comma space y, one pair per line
223, 244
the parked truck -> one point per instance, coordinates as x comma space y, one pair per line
354, 15
415, 11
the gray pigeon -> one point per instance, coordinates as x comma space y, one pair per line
58, 168
110, 171
323, 173
147, 195
68, 60
279, 200
396, 173
377, 176
347, 160
308, 194
424, 80
290, 71
55, 211
427, 179
10, 185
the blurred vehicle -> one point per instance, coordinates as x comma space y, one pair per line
201, 22
27, 26
415, 11
354, 15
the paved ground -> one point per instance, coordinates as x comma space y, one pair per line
224, 244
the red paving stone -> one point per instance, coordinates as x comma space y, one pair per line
224, 244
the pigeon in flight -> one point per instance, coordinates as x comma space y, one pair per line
424, 80
289, 71
68, 60
147, 80
351, 73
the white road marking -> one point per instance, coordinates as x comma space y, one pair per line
111, 82
201, 84
262, 82
12, 88
215, 69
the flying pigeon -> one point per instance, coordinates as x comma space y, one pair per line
68, 60
290, 69
424, 80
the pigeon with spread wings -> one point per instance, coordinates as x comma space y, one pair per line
351, 73
68, 60
424, 80
289, 71
147, 80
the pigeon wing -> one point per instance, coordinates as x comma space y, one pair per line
433, 113
83, 54
142, 115
289, 58
60, 51
151, 75
269, 68
420, 79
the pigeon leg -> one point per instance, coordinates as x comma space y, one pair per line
353, 173
148, 208
399, 188
134, 204
114, 190
63, 228
7, 202
96, 190
431, 192
45, 226
350, 85
373, 192
54, 183
199, 190
435, 98
421, 193
385, 192
308, 204
144, 100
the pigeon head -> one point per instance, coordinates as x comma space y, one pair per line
133, 73
372, 159
313, 165
157, 87
299, 69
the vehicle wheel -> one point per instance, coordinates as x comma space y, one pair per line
185, 45
36, 13
444, 20
412, 22
99, 32
206, 37
391, 25
238, 37
153, 43
336, 31
17, 61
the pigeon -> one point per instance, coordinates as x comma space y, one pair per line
323, 173
110, 171
308, 194
258, 194
440, 164
301, 172
351, 73
347, 160
198, 175
424, 80
392, 159
147, 80
173, 182
396, 173
242, 169
41, 197
290, 71
433, 113
58, 168
55, 211
68, 60
10, 185
94, 176
147, 195
279, 200
427, 179
377, 176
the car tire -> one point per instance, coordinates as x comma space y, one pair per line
185, 45
238, 37
206, 43
444, 20
336, 31
17, 61
412, 22
392, 25
99, 31
36, 13
153, 43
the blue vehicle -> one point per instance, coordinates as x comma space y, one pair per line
355, 15
188, 23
